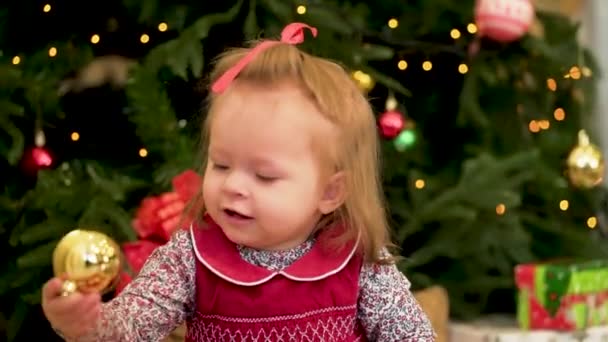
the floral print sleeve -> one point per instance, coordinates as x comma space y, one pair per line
157, 301
387, 309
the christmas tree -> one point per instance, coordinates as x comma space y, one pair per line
101, 107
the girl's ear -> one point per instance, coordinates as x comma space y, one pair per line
334, 193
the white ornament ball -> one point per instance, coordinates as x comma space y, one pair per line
504, 20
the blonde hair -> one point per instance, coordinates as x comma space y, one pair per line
356, 150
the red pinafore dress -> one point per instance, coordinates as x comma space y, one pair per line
314, 299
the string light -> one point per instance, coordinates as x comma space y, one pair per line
501, 209
587, 71
75, 136
559, 114
46, 8
419, 184
16, 60
563, 205
551, 84
301, 9
143, 152
427, 65
162, 27
393, 23
53, 51
533, 126
95, 39
472, 28
574, 73
536, 126
363, 79
402, 65
455, 34
463, 68
592, 222
144, 38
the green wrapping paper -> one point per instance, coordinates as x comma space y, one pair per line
562, 296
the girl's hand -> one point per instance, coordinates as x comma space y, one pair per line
72, 316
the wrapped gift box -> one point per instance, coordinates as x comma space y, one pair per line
505, 329
562, 296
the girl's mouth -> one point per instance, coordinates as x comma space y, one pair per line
236, 215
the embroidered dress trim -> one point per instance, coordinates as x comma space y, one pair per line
279, 318
327, 325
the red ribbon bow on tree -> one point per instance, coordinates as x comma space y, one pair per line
156, 220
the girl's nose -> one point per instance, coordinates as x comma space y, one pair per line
235, 184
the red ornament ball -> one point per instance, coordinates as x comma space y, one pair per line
391, 123
504, 20
36, 159
41, 157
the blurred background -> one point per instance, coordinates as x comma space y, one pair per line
491, 114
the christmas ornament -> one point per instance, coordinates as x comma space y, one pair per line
537, 29
585, 163
568, 8
392, 121
89, 260
405, 139
391, 124
504, 20
364, 81
41, 157
38, 157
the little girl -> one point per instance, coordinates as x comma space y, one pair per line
293, 242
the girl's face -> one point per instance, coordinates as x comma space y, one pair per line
264, 183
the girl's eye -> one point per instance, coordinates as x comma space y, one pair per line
266, 178
219, 167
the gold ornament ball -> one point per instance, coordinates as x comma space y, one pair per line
585, 163
364, 81
89, 261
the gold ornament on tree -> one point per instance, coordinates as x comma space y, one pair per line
585, 163
568, 8
364, 81
88, 261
